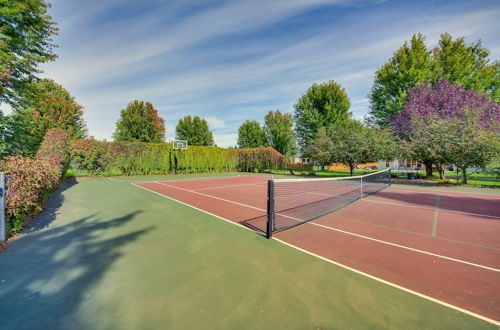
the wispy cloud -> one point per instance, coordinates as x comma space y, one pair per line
233, 61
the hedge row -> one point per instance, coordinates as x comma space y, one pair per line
136, 158
31, 180
260, 160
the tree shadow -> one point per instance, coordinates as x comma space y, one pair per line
479, 206
44, 276
50, 208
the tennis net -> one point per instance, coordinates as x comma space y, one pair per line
292, 202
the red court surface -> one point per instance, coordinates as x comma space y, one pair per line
444, 245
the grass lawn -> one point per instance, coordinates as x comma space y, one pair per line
105, 254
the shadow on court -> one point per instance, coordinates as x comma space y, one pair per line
45, 273
454, 203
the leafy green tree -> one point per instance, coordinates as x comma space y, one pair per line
139, 122
426, 104
430, 141
251, 135
467, 65
351, 143
195, 131
279, 132
321, 106
43, 105
410, 65
26, 32
473, 145
414, 63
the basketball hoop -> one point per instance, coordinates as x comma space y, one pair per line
180, 145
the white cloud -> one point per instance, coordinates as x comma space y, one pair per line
221, 62
214, 122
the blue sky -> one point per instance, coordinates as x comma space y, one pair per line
230, 61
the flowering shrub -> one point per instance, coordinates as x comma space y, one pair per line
31, 180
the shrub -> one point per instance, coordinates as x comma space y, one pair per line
260, 159
55, 149
138, 158
300, 167
31, 180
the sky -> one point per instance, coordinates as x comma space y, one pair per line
231, 61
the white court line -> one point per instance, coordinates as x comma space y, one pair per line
432, 209
448, 192
344, 232
234, 185
398, 204
440, 302
222, 199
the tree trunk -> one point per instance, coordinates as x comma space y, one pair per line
440, 168
464, 175
428, 168
351, 169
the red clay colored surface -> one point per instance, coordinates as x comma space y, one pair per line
467, 229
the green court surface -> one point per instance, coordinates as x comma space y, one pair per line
108, 255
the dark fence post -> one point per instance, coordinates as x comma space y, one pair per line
3, 225
270, 208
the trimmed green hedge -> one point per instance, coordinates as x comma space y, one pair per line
137, 158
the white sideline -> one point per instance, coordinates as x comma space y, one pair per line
443, 303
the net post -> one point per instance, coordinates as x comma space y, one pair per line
3, 231
270, 208
390, 177
361, 185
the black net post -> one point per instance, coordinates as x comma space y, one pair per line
390, 177
270, 208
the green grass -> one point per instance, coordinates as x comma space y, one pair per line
114, 256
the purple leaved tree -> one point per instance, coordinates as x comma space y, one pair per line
443, 101
446, 101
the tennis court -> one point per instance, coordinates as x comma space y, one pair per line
441, 245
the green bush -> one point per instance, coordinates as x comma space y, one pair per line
260, 159
138, 158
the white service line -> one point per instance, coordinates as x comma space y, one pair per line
443, 303
202, 194
345, 232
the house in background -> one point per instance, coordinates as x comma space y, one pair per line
401, 165
298, 159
